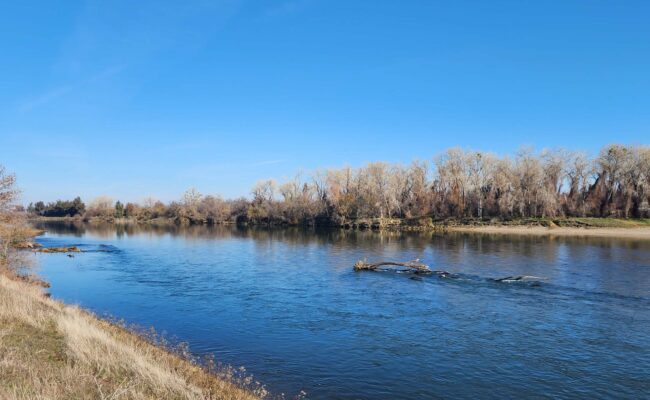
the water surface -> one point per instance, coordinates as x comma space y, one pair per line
287, 305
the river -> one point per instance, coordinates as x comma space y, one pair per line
287, 305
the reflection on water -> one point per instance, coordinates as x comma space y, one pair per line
287, 305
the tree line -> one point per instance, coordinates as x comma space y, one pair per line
456, 184
59, 208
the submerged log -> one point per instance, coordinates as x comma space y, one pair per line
519, 278
445, 274
414, 266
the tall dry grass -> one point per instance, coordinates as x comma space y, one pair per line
49, 350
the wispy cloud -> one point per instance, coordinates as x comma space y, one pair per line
69, 153
61, 91
262, 163
287, 7
45, 98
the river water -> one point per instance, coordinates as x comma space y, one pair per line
287, 305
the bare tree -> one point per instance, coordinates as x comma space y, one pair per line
528, 182
453, 180
554, 177
213, 209
610, 164
504, 188
262, 206
480, 176
8, 190
579, 171
13, 229
644, 181
418, 199
102, 206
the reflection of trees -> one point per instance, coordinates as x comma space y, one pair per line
453, 244
288, 235
76, 228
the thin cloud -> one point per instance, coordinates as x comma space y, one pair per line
45, 98
224, 168
62, 91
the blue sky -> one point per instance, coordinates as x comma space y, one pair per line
148, 98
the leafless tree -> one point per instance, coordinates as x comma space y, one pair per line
102, 206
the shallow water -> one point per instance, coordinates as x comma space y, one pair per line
287, 305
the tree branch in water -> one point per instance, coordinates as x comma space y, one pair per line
414, 266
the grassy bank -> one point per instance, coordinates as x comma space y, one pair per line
49, 350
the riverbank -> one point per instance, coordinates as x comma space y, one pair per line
51, 350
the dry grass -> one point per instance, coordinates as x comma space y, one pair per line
49, 350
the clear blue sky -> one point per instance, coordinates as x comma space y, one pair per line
148, 98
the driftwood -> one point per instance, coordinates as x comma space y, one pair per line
414, 266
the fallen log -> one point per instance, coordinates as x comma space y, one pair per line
70, 249
414, 266
27, 245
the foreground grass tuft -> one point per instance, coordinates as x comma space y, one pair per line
52, 351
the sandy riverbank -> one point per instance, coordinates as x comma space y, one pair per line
627, 233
